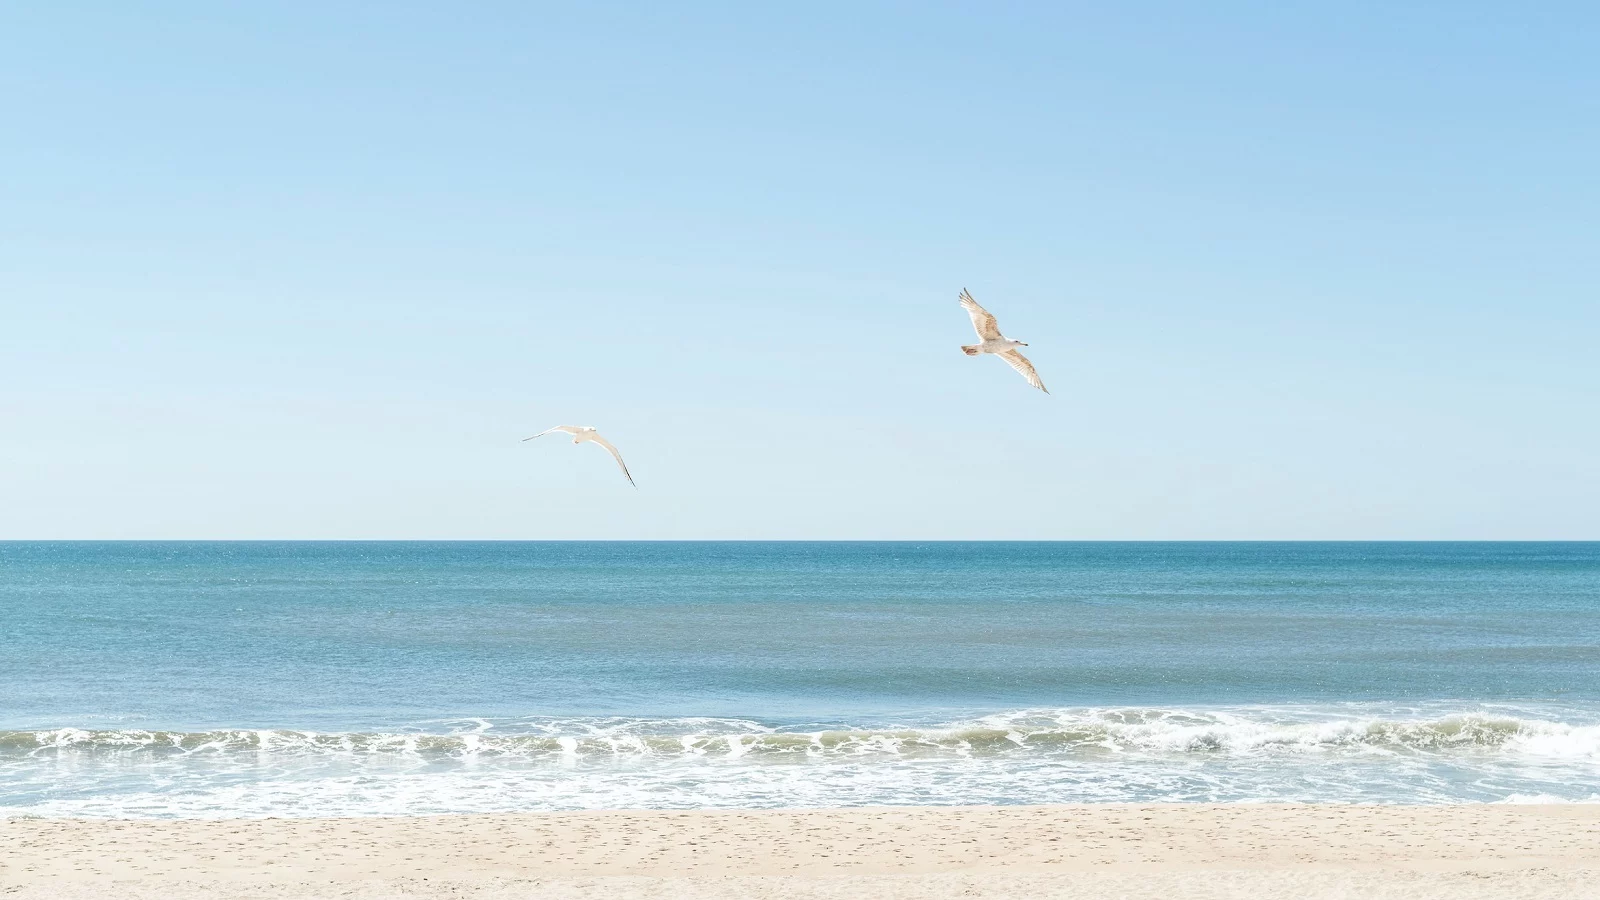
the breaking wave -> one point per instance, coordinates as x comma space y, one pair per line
1059, 732
1087, 755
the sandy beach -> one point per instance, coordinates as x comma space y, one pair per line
1063, 851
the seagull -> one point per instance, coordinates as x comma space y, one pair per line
995, 342
587, 434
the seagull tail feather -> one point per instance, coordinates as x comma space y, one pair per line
970, 349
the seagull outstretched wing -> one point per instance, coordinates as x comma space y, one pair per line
1017, 361
615, 455
564, 429
982, 322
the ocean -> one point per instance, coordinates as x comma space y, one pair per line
221, 679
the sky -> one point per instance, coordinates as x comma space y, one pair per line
313, 270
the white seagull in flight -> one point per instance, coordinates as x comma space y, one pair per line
995, 342
582, 434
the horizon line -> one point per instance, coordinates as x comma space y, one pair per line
799, 540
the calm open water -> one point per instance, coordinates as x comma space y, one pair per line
297, 679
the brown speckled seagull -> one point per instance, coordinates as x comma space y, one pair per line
995, 342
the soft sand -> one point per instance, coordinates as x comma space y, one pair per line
1084, 851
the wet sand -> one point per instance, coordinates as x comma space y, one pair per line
1170, 851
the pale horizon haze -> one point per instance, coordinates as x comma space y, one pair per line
313, 271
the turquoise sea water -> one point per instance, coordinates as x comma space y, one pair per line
292, 679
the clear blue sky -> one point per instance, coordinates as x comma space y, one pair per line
312, 270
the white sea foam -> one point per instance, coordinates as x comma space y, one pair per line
1540, 799
1326, 754
1131, 730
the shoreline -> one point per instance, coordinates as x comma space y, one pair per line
1221, 850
